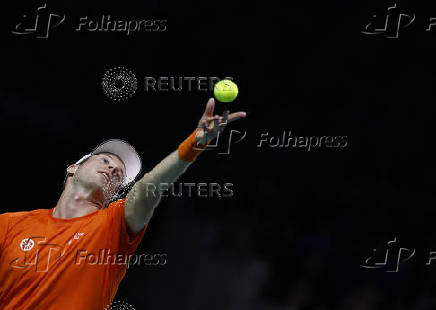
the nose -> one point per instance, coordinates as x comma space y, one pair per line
114, 169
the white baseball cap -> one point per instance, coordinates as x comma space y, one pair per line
125, 152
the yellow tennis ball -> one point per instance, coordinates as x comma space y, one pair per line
225, 91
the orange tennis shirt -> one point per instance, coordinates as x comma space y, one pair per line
50, 263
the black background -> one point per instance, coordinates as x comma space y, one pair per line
301, 223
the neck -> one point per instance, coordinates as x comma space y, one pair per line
77, 201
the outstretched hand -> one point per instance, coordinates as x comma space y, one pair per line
210, 125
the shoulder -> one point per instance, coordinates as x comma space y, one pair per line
14, 216
24, 219
117, 203
115, 208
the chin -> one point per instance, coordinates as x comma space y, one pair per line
107, 194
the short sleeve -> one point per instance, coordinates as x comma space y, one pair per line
127, 244
4, 222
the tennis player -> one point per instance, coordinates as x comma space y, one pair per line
73, 256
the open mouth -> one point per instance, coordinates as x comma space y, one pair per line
105, 176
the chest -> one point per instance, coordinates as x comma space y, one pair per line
45, 247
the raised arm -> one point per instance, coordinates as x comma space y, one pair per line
146, 193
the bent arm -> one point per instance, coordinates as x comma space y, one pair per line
145, 195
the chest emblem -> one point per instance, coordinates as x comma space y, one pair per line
27, 244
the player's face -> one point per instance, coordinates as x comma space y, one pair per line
103, 171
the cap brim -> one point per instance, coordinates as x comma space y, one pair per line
126, 153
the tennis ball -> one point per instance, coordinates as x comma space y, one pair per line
225, 91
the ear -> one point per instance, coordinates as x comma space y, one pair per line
72, 169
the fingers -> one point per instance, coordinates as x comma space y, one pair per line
210, 106
225, 117
223, 121
212, 125
218, 125
235, 116
206, 131
211, 118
